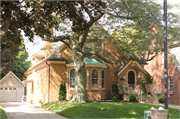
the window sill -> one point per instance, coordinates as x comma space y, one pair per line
170, 93
94, 88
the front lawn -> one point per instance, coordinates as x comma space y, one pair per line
2, 114
103, 109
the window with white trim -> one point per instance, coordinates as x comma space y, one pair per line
103, 79
149, 62
94, 78
170, 82
72, 78
162, 58
38, 78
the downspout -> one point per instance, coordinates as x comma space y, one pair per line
48, 82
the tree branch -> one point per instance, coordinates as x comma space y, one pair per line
58, 38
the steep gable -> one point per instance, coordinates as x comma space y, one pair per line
11, 79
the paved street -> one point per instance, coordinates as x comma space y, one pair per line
18, 110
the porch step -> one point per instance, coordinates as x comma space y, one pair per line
148, 99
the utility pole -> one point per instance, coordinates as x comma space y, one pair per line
165, 56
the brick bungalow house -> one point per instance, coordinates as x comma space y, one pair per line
156, 68
50, 67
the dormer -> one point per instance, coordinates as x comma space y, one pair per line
38, 56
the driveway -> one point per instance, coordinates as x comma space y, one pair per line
18, 110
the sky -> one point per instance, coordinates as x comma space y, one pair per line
32, 48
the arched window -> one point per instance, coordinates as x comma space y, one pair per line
94, 78
72, 78
103, 79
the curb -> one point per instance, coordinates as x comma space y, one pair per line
5, 113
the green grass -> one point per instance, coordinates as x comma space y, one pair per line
103, 109
2, 114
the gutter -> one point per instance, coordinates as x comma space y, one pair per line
48, 82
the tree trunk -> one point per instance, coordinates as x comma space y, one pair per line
80, 94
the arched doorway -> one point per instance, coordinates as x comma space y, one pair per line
131, 79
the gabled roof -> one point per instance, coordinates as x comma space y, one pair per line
125, 65
93, 61
53, 56
14, 76
122, 66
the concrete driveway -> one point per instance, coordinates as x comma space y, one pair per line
18, 110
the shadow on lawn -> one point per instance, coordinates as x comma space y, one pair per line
104, 110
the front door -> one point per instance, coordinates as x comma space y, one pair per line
131, 79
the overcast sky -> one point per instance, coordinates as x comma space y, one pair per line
32, 48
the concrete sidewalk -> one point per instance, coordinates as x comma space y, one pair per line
19, 110
171, 106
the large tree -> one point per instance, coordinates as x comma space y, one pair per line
144, 17
15, 61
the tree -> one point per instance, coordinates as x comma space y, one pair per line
144, 17
21, 64
15, 61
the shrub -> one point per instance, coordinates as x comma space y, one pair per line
132, 97
62, 91
161, 99
114, 92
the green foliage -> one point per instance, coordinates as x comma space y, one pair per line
132, 97
161, 99
20, 64
62, 91
143, 88
114, 92
149, 79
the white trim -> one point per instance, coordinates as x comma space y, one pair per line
104, 79
14, 76
124, 67
134, 75
128, 65
97, 80
70, 78
89, 65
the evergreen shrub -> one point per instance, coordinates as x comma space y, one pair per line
132, 97
62, 91
161, 99
114, 92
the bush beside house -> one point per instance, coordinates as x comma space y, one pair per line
62, 91
132, 97
114, 92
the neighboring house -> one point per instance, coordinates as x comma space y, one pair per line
11, 88
51, 67
156, 69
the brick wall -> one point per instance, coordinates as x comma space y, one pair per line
156, 69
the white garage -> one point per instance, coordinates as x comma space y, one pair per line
11, 88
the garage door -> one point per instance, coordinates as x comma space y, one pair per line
8, 94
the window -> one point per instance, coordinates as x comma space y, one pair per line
94, 78
149, 62
170, 82
10, 88
72, 78
5, 88
38, 78
1, 88
14, 88
103, 79
162, 58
